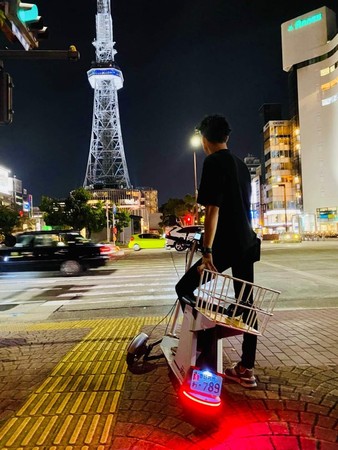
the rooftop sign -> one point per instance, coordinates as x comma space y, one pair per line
301, 23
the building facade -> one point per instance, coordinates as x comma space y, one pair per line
6, 197
310, 51
281, 188
11, 191
141, 204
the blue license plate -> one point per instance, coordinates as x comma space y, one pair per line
206, 382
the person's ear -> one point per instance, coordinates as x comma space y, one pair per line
205, 143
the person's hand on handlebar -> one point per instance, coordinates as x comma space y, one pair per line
207, 263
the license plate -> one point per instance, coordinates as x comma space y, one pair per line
206, 382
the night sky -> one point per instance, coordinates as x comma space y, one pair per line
181, 60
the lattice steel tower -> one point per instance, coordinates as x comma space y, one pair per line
107, 166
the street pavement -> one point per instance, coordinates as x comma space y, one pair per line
65, 385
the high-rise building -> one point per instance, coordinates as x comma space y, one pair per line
310, 55
267, 112
252, 163
280, 188
6, 187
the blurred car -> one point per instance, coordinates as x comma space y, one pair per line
64, 250
289, 238
110, 250
146, 240
181, 238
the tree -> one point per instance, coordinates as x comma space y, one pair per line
75, 211
80, 213
9, 219
97, 217
122, 220
54, 212
175, 209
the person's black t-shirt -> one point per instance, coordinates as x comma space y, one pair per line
226, 183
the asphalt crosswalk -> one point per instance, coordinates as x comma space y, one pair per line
138, 279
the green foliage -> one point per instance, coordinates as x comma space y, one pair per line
122, 220
54, 212
75, 212
79, 211
9, 219
80, 214
97, 217
175, 208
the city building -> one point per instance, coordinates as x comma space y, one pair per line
310, 56
6, 198
132, 200
252, 163
281, 189
141, 204
267, 112
12, 192
16, 192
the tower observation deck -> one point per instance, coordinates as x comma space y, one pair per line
107, 166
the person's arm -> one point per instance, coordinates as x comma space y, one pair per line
210, 226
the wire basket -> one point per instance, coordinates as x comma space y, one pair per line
249, 312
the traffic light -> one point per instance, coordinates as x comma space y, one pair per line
27, 25
188, 219
29, 15
27, 12
6, 98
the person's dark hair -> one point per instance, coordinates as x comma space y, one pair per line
215, 128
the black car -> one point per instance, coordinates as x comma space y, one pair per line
64, 250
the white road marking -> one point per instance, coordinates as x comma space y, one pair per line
312, 276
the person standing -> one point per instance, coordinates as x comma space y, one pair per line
229, 240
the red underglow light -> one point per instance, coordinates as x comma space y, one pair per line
201, 402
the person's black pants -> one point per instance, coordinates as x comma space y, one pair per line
241, 269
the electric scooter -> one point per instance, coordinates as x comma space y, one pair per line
217, 313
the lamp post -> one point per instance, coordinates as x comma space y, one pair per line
195, 143
107, 221
285, 206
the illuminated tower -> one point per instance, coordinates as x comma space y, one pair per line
107, 166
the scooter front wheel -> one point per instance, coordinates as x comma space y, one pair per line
137, 348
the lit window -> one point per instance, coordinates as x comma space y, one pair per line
328, 70
329, 85
328, 101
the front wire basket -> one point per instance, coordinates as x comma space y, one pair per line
249, 312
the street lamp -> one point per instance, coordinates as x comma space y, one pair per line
195, 143
107, 221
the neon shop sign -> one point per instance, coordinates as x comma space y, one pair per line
301, 23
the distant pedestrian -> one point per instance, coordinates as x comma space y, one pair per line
229, 240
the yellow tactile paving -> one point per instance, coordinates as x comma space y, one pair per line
75, 404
